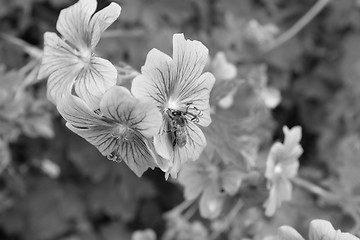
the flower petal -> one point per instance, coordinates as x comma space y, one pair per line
292, 136
163, 145
157, 79
288, 233
119, 104
137, 155
280, 191
222, 68
92, 82
75, 111
57, 56
60, 83
102, 20
322, 229
197, 92
73, 23
190, 58
195, 143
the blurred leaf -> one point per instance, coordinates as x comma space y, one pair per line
119, 196
49, 210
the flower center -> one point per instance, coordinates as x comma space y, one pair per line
122, 132
85, 56
171, 104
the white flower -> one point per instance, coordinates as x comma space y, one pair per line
69, 61
281, 166
121, 130
181, 92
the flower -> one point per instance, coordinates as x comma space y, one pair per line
224, 72
222, 69
319, 230
258, 79
181, 92
69, 62
120, 130
282, 164
213, 180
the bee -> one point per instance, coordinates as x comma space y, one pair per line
177, 125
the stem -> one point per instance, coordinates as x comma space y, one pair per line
181, 207
300, 24
28, 48
315, 189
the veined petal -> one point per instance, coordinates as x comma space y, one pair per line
157, 79
75, 111
92, 82
60, 83
102, 20
99, 131
137, 155
57, 56
190, 58
195, 144
119, 104
197, 92
73, 23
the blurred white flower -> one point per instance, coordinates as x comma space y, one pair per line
282, 164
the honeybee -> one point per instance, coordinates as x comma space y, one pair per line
178, 125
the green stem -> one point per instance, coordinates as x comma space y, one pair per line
300, 24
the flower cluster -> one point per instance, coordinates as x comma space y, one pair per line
281, 166
154, 125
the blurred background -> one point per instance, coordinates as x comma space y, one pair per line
56, 186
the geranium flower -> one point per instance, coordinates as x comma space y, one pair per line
120, 130
258, 79
181, 92
70, 61
282, 165
213, 180
319, 230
